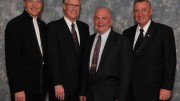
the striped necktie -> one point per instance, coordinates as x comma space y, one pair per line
95, 56
74, 35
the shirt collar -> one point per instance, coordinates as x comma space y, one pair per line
31, 15
105, 35
145, 28
69, 23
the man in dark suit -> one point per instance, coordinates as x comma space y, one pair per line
25, 59
66, 38
154, 56
107, 62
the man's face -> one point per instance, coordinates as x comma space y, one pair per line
142, 13
102, 20
71, 9
33, 7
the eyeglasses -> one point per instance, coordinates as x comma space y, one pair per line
73, 5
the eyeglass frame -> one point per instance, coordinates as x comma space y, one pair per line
73, 5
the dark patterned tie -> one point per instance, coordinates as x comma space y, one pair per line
74, 35
138, 42
95, 56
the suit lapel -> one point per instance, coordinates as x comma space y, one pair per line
91, 41
80, 32
36, 39
132, 35
148, 36
106, 50
42, 32
65, 27
31, 30
67, 34
90, 44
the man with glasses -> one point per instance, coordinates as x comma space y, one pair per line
25, 55
66, 38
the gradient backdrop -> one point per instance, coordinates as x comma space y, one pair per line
164, 11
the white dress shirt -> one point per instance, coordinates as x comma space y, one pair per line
37, 33
104, 37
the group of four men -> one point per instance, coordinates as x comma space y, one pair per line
107, 66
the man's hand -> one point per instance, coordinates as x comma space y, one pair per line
59, 92
164, 94
20, 96
82, 98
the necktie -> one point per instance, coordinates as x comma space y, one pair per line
138, 42
95, 56
37, 33
74, 35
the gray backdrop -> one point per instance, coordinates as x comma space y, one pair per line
164, 11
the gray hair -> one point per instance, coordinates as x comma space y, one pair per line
142, 1
63, 1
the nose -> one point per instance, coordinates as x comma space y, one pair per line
34, 4
100, 21
74, 7
140, 13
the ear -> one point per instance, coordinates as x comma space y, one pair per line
64, 6
111, 22
24, 4
151, 11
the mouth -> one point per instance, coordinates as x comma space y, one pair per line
34, 8
74, 12
141, 17
100, 25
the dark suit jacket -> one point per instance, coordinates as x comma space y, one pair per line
24, 61
111, 81
64, 60
154, 62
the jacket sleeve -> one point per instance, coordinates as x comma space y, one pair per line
13, 57
169, 53
53, 53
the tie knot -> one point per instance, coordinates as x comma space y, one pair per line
72, 25
99, 36
141, 30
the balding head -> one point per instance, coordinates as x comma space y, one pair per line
102, 20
